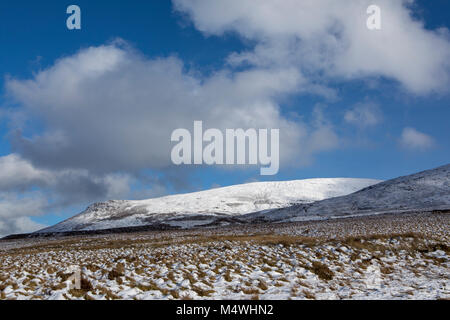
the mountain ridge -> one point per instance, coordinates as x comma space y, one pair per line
285, 201
200, 208
426, 190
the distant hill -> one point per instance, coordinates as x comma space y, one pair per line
202, 208
425, 191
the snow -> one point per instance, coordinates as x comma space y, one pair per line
231, 201
288, 201
425, 191
220, 264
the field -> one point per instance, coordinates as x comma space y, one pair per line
380, 257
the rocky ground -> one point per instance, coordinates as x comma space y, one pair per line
393, 256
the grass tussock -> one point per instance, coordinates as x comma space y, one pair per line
117, 272
85, 287
322, 271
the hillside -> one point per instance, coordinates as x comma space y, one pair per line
424, 191
202, 208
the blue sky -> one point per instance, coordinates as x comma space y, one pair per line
376, 122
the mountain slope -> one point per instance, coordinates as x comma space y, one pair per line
423, 191
200, 208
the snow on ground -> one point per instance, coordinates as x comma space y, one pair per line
428, 190
404, 257
229, 201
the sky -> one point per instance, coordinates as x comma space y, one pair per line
86, 115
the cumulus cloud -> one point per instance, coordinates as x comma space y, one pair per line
416, 140
27, 191
330, 38
15, 212
109, 109
364, 115
19, 174
18, 225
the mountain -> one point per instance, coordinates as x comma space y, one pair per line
425, 191
206, 207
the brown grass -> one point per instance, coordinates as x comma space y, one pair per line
202, 292
117, 272
309, 295
85, 287
322, 271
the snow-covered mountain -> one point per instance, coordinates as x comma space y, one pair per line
202, 208
425, 191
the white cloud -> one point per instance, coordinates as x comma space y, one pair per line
16, 173
364, 115
15, 212
19, 225
415, 140
330, 38
26, 191
19, 174
109, 109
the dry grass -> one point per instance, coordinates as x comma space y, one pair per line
260, 265
85, 287
309, 295
322, 271
117, 272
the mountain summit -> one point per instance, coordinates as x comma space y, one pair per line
205, 207
288, 201
424, 191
